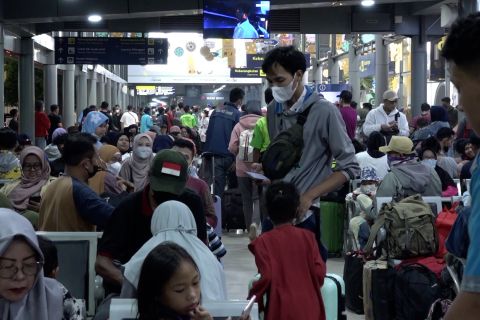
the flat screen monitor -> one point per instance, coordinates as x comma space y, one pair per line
236, 19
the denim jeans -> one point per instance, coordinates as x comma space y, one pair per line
222, 166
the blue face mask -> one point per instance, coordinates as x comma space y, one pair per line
432, 163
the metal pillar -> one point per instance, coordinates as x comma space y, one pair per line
447, 79
333, 69
108, 92
354, 74
381, 68
50, 83
419, 73
100, 90
69, 95
27, 88
82, 95
119, 94
2, 87
114, 93
92, 88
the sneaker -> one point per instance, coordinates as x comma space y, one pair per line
252, 232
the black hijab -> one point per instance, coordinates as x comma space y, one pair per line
374, 142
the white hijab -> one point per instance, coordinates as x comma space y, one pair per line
173, 221
45, 299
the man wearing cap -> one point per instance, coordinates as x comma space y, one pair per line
349, 114
407, 176
129, 227
386, 119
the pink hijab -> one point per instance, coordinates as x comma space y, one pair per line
21, 194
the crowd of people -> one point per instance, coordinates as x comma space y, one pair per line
135, 176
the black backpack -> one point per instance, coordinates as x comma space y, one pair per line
285, 150
416, 289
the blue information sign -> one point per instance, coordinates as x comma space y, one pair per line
123, 51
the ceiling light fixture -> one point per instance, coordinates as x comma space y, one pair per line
94, 18
368, 3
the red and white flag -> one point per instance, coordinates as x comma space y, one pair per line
173, 169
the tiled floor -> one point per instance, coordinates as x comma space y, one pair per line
240, 267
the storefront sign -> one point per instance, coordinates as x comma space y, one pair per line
123, 51
155, 90
366, 65
246, 73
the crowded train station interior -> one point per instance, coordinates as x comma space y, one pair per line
242, 159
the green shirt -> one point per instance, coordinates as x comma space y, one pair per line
188, 120
260, 139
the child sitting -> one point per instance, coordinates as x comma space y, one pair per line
169, 285
288, 260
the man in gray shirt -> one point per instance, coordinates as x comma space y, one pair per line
324, 133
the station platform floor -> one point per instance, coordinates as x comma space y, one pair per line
240, 267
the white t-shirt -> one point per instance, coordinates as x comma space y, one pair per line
129, 118
380, 165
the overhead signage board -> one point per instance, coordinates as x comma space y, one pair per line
331, 91
122, 51
256, 60
246, 73
155, 90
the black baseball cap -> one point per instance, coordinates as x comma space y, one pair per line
345, 95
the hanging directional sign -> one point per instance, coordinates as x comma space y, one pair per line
123, 51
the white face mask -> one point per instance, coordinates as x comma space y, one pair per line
143, 152
283, 94
114, 168
368, 189
432, 163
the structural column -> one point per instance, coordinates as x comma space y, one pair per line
2, 67
114, 93
108, 91
381, 68
50, 83
92, 88
119, 94
82, 94
354, 74
27, 88
333, 69
419, 73
100, 90
69, 95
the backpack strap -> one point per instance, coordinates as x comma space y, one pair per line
303, 116
373, 233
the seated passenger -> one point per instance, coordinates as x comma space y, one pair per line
373, 158
173, 221
288, 260
122, 142
73, 308
439, 119
34, 296
428, 156
135, 169
52, 150
9, 163
129, 227
407, 176
105, 181
169, 285
68, 204
25, 194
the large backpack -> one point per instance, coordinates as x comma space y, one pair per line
245, 150
416, 289
410, 229
285, 150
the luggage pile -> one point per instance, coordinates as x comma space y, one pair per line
401, 272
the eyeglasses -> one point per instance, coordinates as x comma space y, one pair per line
32, 167
29, 269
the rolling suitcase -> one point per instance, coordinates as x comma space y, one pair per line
332, 224
378, 291
353, 277
333, 295
232, 210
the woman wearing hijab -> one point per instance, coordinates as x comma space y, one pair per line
96, 124
35, 297
373, 158
105, 181
25, 194
52, 150
173, 221
135, 169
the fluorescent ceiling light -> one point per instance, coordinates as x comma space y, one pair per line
94, 18
368, 3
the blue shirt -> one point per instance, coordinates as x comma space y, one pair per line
245, 30
471, 276
146, 123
